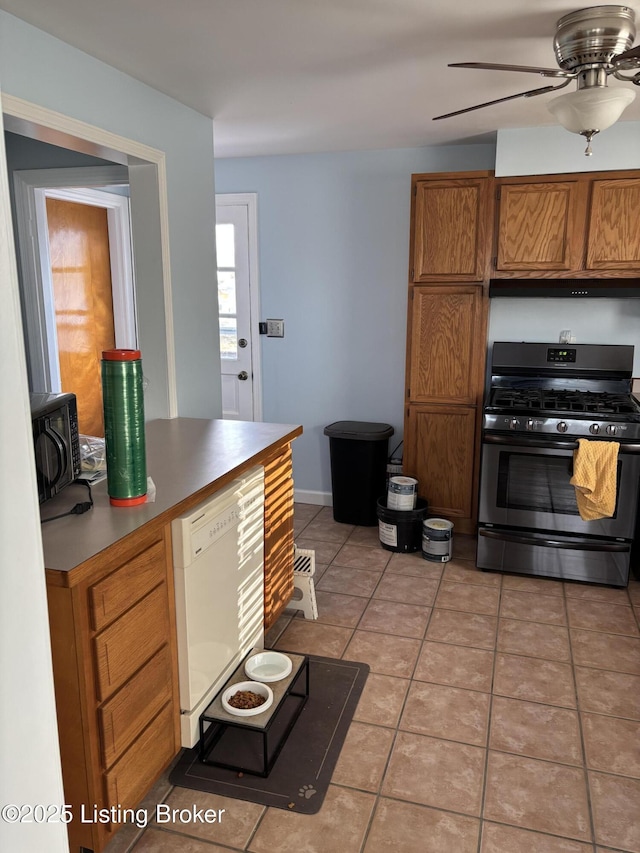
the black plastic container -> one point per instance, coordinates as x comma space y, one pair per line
359, 453
400, 530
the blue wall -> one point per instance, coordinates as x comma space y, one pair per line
333, 235
549, 150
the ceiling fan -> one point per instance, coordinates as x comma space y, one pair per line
590, 46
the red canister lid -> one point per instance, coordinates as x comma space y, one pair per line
121, 355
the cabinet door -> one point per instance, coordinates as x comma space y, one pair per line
130, 641
450, 227
278, 535
439, 450
541, 226
614, 236
127, 713
128, 780
113, 642
446, 344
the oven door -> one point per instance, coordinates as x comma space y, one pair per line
525, 484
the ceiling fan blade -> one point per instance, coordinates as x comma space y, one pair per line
546, 72
628, 59
528, 94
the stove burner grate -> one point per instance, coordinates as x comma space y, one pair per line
546, 400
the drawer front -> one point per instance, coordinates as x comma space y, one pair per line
116, 593
123, 647
130, 778
126, 714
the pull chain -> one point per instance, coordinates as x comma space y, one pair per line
588, 134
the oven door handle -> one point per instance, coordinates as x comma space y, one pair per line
523, 539
551, 442
528, 441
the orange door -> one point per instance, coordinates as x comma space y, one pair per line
81, 275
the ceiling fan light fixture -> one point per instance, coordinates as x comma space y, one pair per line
590, 110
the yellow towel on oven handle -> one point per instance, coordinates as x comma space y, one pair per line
595, 476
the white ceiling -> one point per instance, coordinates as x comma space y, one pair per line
298, 76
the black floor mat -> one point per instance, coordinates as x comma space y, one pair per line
302, 772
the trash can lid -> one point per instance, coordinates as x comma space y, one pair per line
359, 430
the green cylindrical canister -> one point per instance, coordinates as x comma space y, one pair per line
123, 401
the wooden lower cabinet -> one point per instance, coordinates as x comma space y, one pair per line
278, 534
444, 387
439, 446
116, 679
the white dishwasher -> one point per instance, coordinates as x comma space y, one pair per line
218, 557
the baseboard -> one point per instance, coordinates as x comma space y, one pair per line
306, 496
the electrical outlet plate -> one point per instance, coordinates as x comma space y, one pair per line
275, 328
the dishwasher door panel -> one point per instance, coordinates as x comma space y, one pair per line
210, 627
219, 592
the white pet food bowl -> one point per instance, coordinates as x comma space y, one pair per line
268, 666
254, 687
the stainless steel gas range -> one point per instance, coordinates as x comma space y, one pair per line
542, 398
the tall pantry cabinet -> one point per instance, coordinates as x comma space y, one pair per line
449, 267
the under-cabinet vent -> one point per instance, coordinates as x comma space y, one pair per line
585, 288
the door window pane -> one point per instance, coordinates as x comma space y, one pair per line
226, 292
228, 338
227, 307
225, 245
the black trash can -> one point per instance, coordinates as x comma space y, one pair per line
359, 453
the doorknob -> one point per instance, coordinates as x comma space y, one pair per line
243, 375
242, 343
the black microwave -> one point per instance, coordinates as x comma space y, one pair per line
54, 420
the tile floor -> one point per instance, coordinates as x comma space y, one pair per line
501, 715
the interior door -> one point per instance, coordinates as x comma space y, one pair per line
235, 298
83, 302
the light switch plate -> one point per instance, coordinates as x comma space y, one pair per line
275, 328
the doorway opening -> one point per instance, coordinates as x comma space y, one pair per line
146, 172
78, 287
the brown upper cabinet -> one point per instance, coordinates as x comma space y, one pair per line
568, 226
450, 223
613, 240
540, 226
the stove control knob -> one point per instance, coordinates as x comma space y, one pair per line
611, 429
594, 429
514, 423
562, 427
530, 423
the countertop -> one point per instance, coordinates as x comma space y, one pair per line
188, 459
